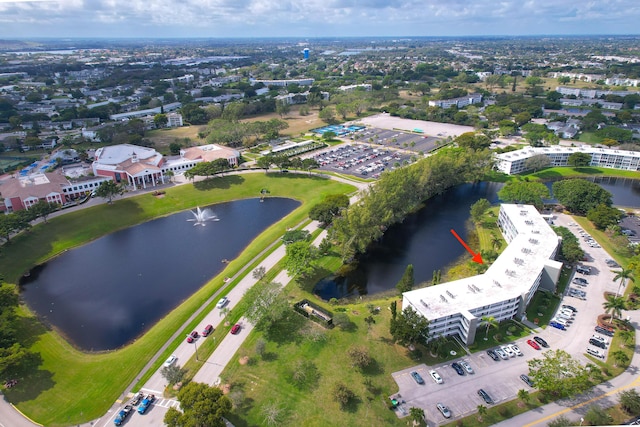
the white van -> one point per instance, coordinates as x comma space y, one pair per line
560, 320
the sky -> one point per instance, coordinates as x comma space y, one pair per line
314, 18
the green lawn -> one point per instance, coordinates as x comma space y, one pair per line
71, 387
622, 258
563, 172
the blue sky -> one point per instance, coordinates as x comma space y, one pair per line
314, 18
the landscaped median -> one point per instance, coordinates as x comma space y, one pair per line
71, 387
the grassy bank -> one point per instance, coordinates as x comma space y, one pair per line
70, 386
565, 172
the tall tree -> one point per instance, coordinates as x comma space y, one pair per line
614, 305
410, 327
559, 374
537, 162
201, 405
478, 209
265, 305
406, 282
578, 160
109, 189
579, 195
489, 322
43, 209
300, 259
622, 276
524, 192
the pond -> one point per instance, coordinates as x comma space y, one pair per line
105, 294
424, 239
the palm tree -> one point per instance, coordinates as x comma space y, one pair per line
523, 395
620, 357
614, 306
627, 336
623, 275
482, 410
489, 322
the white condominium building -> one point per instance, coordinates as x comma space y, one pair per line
515, 162
504, 290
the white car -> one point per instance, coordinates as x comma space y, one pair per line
508, 350
170, 361
466, 367
503, 355
436, 377
223, 301
443, 410
515, 349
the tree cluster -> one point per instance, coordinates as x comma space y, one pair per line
234, 133
408, 327
14, 358
559, 375
526, 192
580, 196
403, 191
329, 208
201, 405
570, 246
208, 169
21, 220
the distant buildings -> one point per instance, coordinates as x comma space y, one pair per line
504, 290
590, 93
514, 162
350, 88
474, 98
284, 83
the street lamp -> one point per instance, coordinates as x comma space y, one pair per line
196, 344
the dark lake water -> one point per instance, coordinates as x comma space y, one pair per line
108, 292
424, 239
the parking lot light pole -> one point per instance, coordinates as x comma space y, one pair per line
196, 344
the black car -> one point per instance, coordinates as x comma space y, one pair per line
416, 376
458, 368
485, 396
541, 342
570, 307
527, 380
604, 331
597, 343
492, 354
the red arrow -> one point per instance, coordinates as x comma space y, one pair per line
476, 257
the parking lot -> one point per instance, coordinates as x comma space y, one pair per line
501, 379
416, 142
360, 160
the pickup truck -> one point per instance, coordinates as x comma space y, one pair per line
146, 402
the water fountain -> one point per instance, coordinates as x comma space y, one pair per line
201, 216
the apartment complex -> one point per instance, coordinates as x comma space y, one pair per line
504, 290
474, 98
515, 162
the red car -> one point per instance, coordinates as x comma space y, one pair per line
235, 329
533, 344
207, 330
192, 336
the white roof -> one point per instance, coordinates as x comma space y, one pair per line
116, 154
525, 153
511, 275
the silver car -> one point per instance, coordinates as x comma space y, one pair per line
443, 410
465, 365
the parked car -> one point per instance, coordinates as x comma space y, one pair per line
443, 410
503, 355
207, 330
467, 367
527, 380
416, 376
599, 338
222, 302
492, 354
436, 377
508, 350
515, 349
570, 307
595, 353
236, 329
541, 341
146, 402
170, 360
485, 396
456, 367
604, 331
583, 269
192, 336
533, 344
136, 398
597, 343
557, 325
122, 415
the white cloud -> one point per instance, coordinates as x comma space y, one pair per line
123, 18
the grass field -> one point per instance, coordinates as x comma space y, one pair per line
71, 387
161, 138
563, 172
297, 124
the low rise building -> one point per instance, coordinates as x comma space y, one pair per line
463, 101
515, 162
504, 290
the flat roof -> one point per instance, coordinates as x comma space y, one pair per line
510, 276
525, 153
